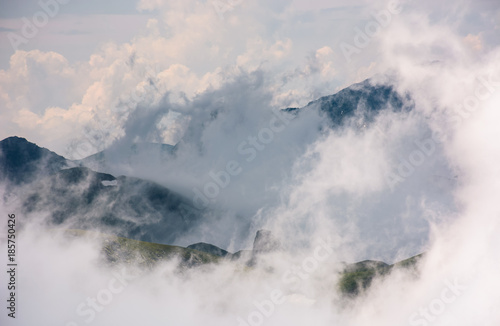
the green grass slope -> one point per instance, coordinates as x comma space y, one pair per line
354, 279
357, 278
117, 250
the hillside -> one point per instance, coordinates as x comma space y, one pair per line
22, 162
354, 280
363, 99
138, 209
120, 250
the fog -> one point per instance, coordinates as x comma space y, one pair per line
423, 180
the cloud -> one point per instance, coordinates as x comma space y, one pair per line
75, 32
6, 29
213, 85
474, 41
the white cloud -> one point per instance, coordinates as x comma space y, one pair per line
191, 67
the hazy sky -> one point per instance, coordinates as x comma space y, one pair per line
210, 74
87, 75
98, 54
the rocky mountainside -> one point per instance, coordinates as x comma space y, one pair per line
47, 184
112, 158
120, 250
138, 209
22, 162
72, 194
210, 249
364, 100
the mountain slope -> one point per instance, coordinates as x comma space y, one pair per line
120, 250
364, 99
111, 159
209, 248
21, 161
357, 278
138, 209
354, 280
80, 198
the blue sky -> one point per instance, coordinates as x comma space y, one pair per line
18, 9
78, 28
99, 52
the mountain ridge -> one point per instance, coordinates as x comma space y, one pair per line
354, 279
22, 161
133, 207
365, 98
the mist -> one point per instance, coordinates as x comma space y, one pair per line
386, 187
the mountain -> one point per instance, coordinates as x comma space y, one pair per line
82, 194
211, 249
83, 199
77, 197
365, 99
264, 242
111, 159
355, 279
22, 162
120, 250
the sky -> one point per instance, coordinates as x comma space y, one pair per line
96, 76
78, 77
81, 76
100, 56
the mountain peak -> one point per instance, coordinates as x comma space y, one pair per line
21, 161
209, 248
365, 98
265, 241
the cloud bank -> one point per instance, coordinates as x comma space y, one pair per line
408, 182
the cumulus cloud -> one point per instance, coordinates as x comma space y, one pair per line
407, 182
